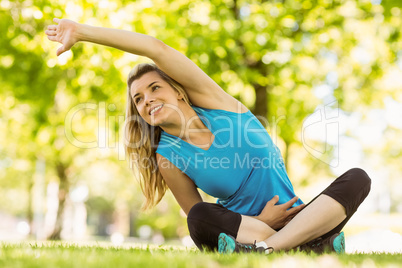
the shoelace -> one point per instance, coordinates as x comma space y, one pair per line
246, 247
253, 248
315, 243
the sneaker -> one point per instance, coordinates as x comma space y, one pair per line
227, 244
335, 243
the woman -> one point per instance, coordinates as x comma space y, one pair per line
184, 132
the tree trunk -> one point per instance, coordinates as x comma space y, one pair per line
63, 192
261, 93
29, 207
261, 101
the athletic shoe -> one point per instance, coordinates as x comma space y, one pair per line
227, 244
335, 243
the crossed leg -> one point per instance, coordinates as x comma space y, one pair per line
325, 215
321, 216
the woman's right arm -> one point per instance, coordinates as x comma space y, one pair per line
187, 195
182, 187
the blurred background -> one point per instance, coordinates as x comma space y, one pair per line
324, 76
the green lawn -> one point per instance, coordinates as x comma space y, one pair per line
62, 254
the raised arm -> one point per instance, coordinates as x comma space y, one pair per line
202, 90
68, 32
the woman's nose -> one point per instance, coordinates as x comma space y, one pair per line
149, 100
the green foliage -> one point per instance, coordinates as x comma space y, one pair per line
271, 55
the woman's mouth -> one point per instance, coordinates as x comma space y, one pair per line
155, 109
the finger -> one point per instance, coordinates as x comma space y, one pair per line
274, 200
290, 202
60, 50
52, 27
286, 223
290, 216
51, 38
51, 33
296, 209
56, 20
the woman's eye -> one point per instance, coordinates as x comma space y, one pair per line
155, 87
137, 100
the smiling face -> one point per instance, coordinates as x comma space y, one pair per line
154, 98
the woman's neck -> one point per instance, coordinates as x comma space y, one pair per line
187, 125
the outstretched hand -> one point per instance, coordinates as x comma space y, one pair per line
64, 32
277, 216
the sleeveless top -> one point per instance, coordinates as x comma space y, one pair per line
243, 168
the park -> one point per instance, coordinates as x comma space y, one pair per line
320, 78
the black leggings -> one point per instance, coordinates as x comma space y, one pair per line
207, 220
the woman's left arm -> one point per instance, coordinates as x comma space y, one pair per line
201, 89
68, 32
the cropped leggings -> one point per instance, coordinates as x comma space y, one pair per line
207, 220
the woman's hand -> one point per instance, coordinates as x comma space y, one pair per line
277, 216
65, 32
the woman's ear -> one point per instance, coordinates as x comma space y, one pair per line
180, 96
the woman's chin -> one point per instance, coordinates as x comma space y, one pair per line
156, 123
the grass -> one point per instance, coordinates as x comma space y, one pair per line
62, 254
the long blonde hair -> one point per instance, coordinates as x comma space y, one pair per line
142, 139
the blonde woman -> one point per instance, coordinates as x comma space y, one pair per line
185, 132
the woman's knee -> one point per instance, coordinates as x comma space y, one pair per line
198, 210
201, 220
360, 181
360, 178
200, 213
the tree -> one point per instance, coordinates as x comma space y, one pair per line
281, 58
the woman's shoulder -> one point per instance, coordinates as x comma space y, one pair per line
203, 110
226, 103
168, 143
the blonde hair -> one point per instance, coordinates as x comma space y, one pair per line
142, 139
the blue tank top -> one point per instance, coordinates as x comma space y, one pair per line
243, 168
